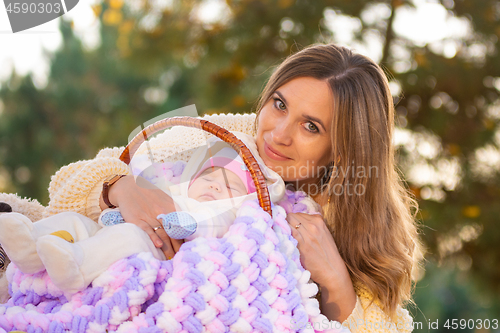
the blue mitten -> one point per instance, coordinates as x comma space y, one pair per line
110, 217
178, 225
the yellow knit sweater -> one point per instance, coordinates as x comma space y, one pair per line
77, 187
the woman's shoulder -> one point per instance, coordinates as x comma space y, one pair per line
369, 309
363, 292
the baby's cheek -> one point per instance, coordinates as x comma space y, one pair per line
193, 191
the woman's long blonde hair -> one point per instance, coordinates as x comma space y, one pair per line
373, 224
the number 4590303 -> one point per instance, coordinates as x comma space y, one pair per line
453, 324
22, 7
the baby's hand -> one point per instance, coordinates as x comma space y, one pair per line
178, 225
110, 217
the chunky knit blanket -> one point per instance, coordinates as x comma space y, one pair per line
251, 280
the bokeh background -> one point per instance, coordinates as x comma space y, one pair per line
133, 60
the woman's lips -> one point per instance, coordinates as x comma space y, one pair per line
274, 154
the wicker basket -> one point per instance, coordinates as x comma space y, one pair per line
221, 133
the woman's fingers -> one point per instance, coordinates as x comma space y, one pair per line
299, 237
166, 246
313, 224
295, 222
155, 238
140, 203
157, 228
176, 243
160, 238
168, 250
298, 221
170, 246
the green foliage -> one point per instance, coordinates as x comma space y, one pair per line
448, 293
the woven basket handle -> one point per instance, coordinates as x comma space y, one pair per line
221, 133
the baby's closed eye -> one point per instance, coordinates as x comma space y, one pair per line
237, 189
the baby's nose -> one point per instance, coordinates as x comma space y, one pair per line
215, 187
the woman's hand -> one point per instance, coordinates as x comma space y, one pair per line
140, 202
320, 256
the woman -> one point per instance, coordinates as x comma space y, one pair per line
324, 123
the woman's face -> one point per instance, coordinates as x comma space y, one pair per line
293, 135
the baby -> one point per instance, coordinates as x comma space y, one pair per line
74, 250
223, 178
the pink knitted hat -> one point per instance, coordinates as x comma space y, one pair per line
227, 158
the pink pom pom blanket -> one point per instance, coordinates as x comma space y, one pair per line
251, 280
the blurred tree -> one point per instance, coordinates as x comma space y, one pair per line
447, 293
157, 56
91, 101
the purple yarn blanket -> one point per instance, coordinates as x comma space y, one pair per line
251, 280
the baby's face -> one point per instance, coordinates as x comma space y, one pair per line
216, 184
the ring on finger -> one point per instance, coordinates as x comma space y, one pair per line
157, 228
298, 225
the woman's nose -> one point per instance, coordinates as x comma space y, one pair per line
282, 133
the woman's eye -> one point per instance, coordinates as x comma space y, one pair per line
312, 128
278, 103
